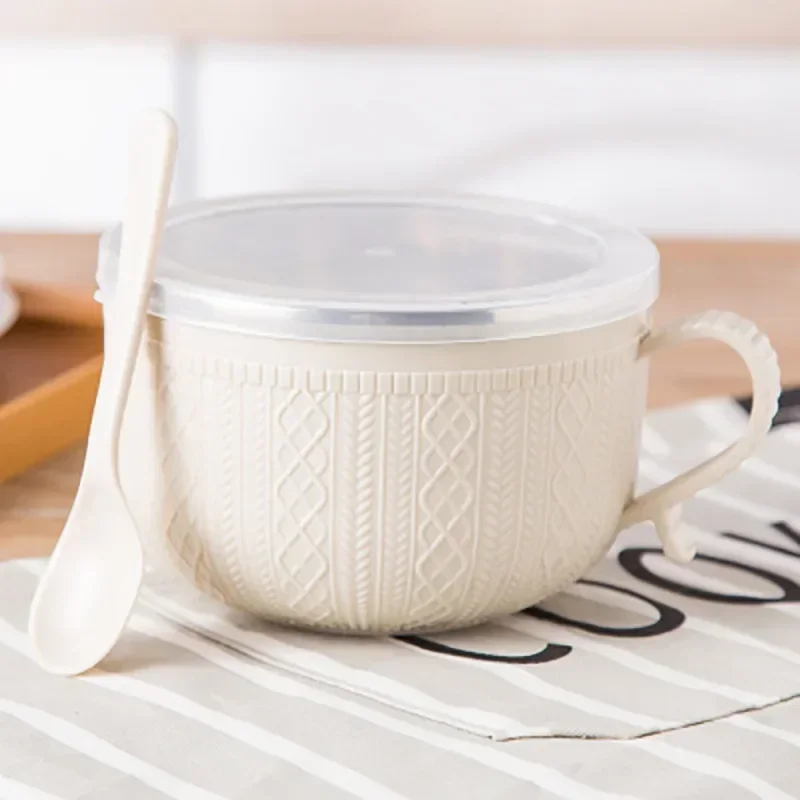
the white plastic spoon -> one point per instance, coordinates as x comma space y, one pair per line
90, 585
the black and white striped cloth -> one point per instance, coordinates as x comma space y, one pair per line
647, 680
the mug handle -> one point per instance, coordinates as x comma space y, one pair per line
661, 505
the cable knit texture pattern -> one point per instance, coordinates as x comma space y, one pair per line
386, 502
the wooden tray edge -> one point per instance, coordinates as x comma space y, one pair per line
49, 418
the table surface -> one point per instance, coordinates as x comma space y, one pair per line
760, 280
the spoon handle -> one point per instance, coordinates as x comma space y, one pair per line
150, 167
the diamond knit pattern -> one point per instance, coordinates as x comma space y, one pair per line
446, 499
300, 456
387, 502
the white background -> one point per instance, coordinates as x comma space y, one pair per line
676, 143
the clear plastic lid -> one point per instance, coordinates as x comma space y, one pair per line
386, 268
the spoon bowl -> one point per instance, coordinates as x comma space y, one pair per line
77, 627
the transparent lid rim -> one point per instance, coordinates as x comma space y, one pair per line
626, 279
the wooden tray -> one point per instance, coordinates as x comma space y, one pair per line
48, 381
